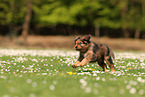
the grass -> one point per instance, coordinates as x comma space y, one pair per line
47, 73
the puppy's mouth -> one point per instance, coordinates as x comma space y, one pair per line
77, 49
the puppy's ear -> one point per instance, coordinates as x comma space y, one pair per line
77, 37
87, 37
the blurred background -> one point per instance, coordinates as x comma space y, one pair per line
54, 23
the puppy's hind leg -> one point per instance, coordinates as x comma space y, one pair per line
103, 65
110, 63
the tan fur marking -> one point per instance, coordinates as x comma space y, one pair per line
84, 61
110, 65
76, 64
105, 69
107, 57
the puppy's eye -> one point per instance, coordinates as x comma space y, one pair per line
81, 43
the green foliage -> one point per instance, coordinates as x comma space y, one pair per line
12, 12
104, 13
109, 15
60, 12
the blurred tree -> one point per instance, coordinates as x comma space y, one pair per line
128, 15
11, 14
96, 13
27, 21
139, 19
124, 9
109, 15
134, 18
141, 24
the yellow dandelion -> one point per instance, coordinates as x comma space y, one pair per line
70, 73
74, 73
61, 74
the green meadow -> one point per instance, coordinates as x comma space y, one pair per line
48, 73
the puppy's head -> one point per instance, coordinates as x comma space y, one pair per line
82, 43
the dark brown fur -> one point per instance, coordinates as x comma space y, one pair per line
90, 51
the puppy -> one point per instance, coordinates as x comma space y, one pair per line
92, 52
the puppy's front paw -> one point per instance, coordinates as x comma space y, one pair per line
112, 70
81, 65
74, 65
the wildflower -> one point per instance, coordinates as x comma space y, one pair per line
29, 81
61, 74
94, 74
132, 91
139, 79
70, 73
98, 78
52, 87
34, 84
54, 82
44, 73
32, 95
128, 86
103, 79
141, 92
88, 90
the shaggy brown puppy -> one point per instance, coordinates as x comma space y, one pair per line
90, 51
